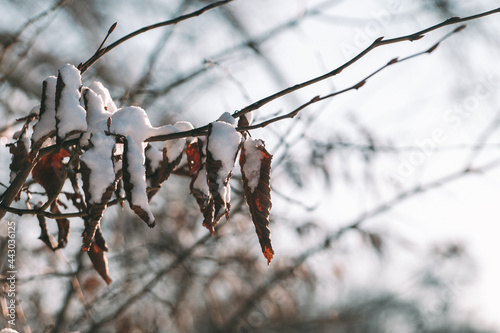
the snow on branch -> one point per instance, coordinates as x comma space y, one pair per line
81, 134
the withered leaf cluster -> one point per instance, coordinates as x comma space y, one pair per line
82, 137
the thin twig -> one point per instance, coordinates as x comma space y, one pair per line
377, 43
102, 51
355, 86
203, 130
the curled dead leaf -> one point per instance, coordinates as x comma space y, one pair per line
255, 163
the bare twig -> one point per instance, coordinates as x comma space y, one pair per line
355, 86
102, 51
377, 43
202, 131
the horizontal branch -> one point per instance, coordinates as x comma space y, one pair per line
202, 131
19, 211
39, 211
377, 43
355, 86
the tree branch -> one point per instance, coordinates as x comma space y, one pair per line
102, 51
377, 43
355, 86
202, 131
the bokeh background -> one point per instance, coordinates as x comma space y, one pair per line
385, 199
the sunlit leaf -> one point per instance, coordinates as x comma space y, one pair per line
99, 261
255, 163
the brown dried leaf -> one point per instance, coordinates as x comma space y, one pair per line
216, 204
95, 210
49, 174
99, 239
62, 228
199, 185
218, 183
97, 256
99, 261
202, 197
48, 171
43, 107
44, 235
161, 174
19, 154
67, 87
259, 197
128, 185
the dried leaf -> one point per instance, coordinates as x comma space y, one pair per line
199, 185
97, 256
223, 143
97, 182
48, 171
46, 125
99, 261
19, 152
99, 239
70, 115
62, 228
44, 235
95, 210
161, 173
49, 174
134, 182
255, 163
217, 203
